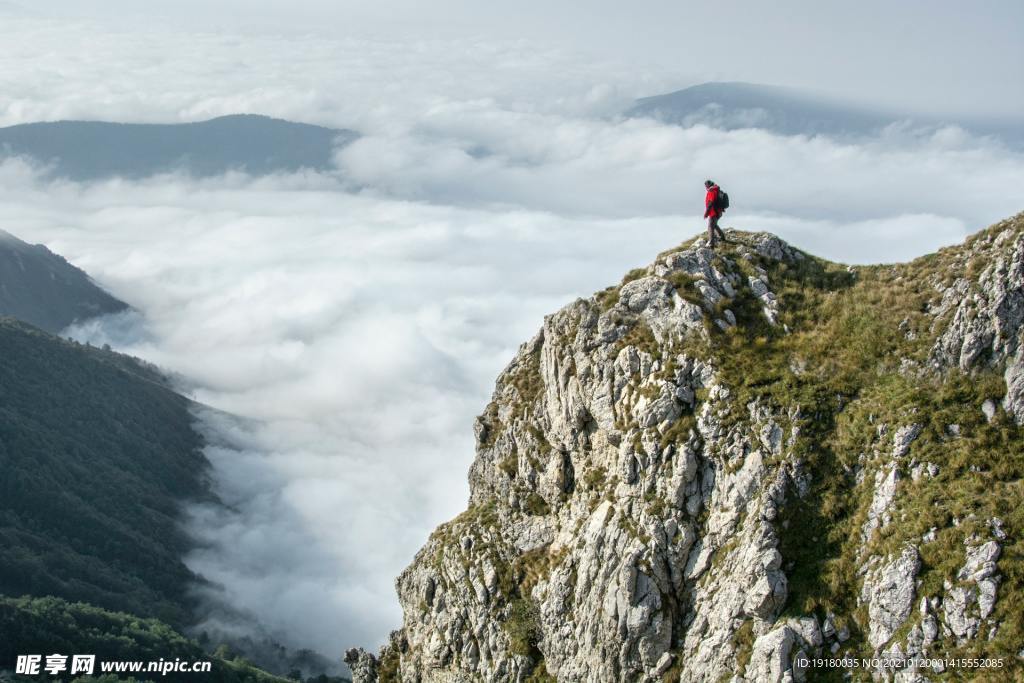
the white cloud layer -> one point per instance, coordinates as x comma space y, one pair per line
925, 55
355, 322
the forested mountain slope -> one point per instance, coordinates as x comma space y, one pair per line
41, 288
97, 455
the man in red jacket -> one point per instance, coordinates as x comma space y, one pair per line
712, 212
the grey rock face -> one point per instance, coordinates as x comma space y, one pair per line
981, 322
612, 526
885, 491
957, 605
1013, 402
988, 408
888, 592
629, 513
967, 602
362, 664
887, 481
966, 606
770, 660
902, 439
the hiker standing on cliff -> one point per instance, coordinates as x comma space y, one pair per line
715, 204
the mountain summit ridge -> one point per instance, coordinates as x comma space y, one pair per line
734, 460
734, 105
43, 289
251, 143
793, 111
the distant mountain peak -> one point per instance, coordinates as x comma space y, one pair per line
733, 105
250, 143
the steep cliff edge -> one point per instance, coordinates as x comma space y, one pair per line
737, 459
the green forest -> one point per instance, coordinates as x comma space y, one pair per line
47, 625
97, 454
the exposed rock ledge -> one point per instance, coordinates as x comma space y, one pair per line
704, 474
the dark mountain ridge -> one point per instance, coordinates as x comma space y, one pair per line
254, 144
44, 290
791, 111
97, 454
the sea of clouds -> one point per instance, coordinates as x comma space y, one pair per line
344, 328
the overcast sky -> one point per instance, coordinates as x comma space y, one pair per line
357, 333
939, 56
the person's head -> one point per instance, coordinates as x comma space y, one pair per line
708, 183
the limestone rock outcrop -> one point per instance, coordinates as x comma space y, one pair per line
729, 464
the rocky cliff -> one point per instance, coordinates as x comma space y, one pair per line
737, 460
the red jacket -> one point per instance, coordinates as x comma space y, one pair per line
710, 210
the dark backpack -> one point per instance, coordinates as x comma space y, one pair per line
723, 200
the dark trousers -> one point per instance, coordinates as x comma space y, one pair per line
714, 231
